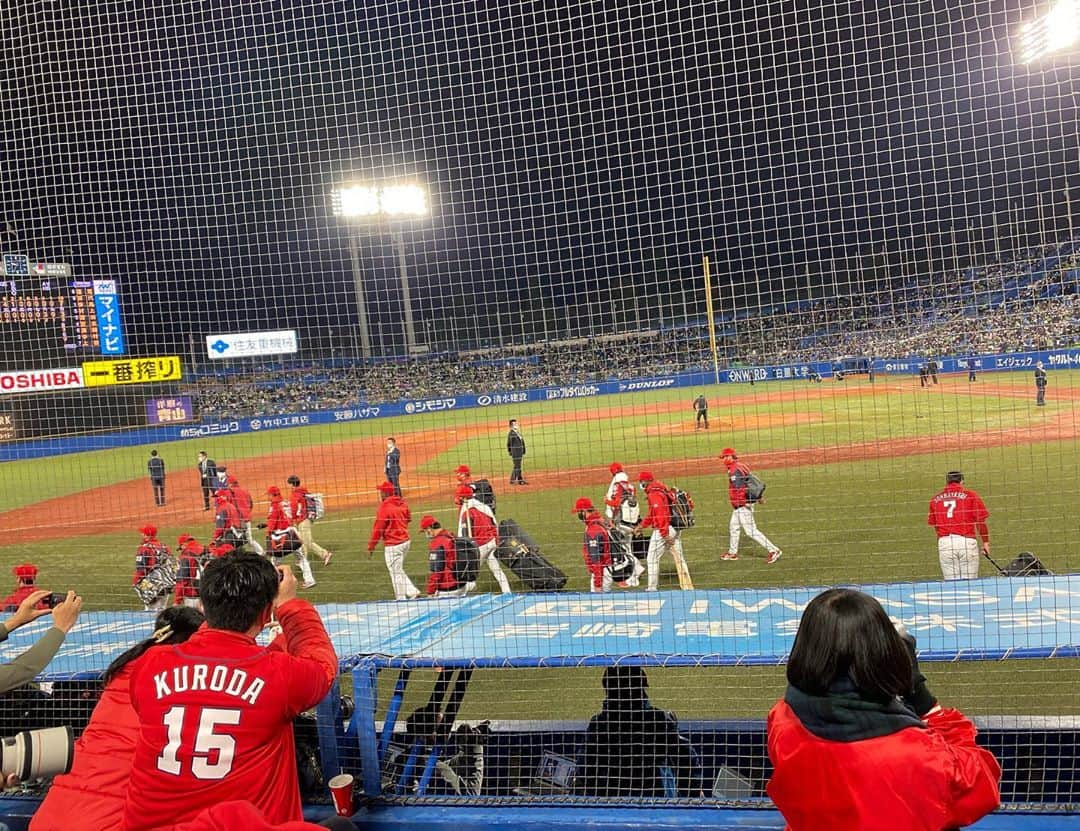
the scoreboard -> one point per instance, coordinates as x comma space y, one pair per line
45, 316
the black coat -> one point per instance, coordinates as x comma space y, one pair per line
515, 444
626, 744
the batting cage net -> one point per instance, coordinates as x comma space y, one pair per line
699, 310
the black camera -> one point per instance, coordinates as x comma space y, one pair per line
51, 601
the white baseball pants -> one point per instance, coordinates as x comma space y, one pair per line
742, 521
959, 557
487, 555
254, 543
404, 589
656, 551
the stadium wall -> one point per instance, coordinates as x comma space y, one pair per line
1015, 362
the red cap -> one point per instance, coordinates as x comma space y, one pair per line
223, 548
385, 487
645, 476
183, 538
148, 530
426, 521
615, 467
727, 451
463, 492
232, 480
462, 470
273, 490
583, 504
25, 571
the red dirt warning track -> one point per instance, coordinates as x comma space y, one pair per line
340, 470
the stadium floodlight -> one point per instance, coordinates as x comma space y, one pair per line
1056, 31
389, 201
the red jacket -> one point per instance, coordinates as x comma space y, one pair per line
227, 517
391, 523
231, 816
298, 504
242, 500
12, 601
146, 558
215, 718
92, 794
442, 557
275, 517
596, 549
911, 780
478, 525
188, 571
736, 489
659, 508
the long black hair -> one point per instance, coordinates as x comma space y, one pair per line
844, 632
174, 625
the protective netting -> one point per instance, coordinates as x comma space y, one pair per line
576, 248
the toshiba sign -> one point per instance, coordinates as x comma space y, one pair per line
40, 380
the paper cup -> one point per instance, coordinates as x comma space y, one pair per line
341, 789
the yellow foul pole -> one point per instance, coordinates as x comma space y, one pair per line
712, 320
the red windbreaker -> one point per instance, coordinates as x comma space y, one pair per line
736, 489
275, 517
596, 549
391, 523
146, 558
442, 557
215, 718
92, 794
911, 780
242, 500
659, 508
298, 504
187, 573
227, 517
481, 527
12, 601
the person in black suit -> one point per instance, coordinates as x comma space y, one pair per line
631, 747
207, 478
393, 464
515, 446
156, 468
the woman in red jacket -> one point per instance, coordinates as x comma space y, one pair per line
859, 742
92, 794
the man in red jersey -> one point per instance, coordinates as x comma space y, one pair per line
151, 554
392, 527
442, 558
191, 557
303, 522
282, 538
957, 513
596, 547
244, 506
477, 521
26, 584
664, 539
742, 510
228, 527
215, 714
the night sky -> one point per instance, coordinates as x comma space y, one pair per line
581, 157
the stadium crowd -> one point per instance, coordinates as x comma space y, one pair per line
1027, 303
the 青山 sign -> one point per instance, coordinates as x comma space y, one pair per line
40, 380
250, 344
132, 371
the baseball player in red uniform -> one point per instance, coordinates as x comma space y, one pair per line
742, 511
26, 584
149, 555
191, 557
303, 523
282, 538
664, 538
244, 506
476, 520
227, 524
958, 514
215, 718
596, 548
442, 558
392, 527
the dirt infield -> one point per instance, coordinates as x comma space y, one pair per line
347, 471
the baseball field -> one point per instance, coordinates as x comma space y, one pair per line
850, 467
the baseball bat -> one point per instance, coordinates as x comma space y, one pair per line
994, 562
685, 583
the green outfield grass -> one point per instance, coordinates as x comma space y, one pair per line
857, 521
